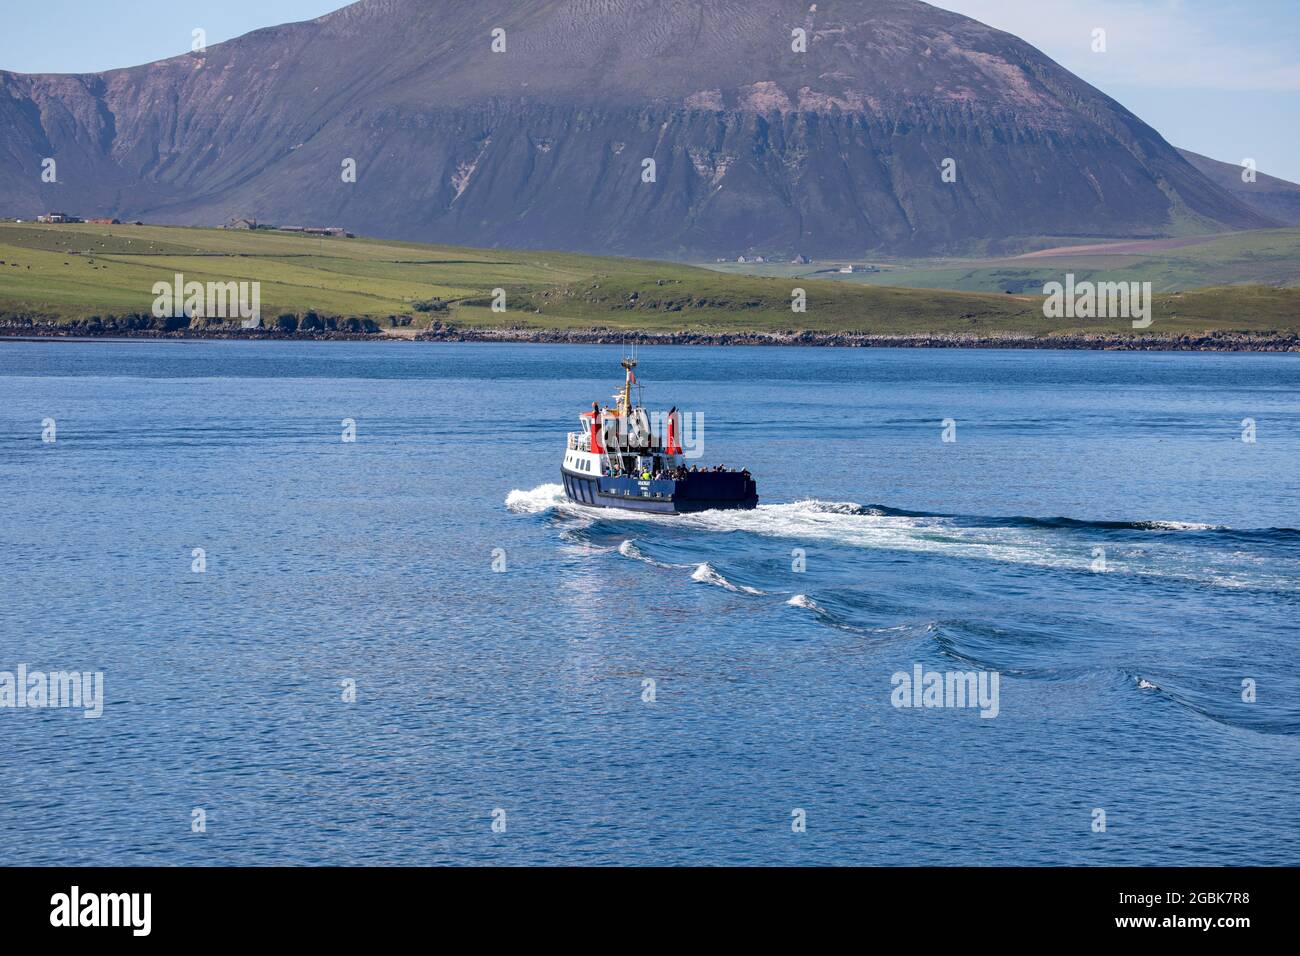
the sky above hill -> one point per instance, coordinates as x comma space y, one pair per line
1220, 77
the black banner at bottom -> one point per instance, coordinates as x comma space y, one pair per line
335, 906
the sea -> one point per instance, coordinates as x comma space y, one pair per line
994, 607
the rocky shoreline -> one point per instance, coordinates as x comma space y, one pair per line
145, 330
1205, 342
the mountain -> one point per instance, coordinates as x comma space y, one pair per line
1273, 197
758, 148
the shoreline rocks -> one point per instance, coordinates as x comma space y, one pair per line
1216, 341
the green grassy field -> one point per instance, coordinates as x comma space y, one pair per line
1266, 257
68, 272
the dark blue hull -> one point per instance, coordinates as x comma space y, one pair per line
703, 491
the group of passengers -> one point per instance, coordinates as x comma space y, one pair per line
679, 473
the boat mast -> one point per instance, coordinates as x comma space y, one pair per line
625, 401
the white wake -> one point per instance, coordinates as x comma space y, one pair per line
542, 498
708, 574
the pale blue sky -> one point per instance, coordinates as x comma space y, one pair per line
1221, 77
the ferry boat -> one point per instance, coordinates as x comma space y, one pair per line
617, 461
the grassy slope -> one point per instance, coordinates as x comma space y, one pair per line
79, 270
1267, 257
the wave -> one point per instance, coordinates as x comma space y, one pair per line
629, 549
843, 524
1145, 548
548, 496
804, 601
1212, 706
831, 619
540, 499
823, 615
708, 574
1080, 523
817, 506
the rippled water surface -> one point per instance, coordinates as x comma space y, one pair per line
1098, 535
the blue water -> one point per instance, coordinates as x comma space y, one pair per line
522, 689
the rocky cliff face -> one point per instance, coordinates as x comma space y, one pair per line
833, 151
